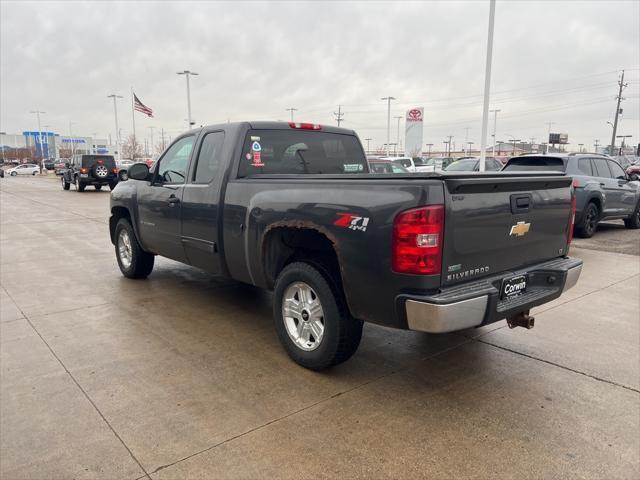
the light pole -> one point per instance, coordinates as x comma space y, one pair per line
152, 147
514, 140
368, 140
291, 109
549, 135
487, 86
187, 74
398, 117
73, 144
580, 145
469, 147
466, 138
38, 112
596, 144
495, 122
115, 113
429, 145
388, 99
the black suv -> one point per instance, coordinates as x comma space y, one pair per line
603, 190
96, 170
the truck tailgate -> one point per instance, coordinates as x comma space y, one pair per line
496, 223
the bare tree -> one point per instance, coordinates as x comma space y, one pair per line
132, 149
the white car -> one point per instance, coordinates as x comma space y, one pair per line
26, 169
415, 164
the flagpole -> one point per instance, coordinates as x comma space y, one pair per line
133, 119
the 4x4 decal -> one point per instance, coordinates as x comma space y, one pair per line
352, 221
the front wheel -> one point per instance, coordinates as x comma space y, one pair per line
65, 184
311, 317
13, 174
34, 173
633, 222
112, 185
122, 175
97, 187
132, 260
79, 185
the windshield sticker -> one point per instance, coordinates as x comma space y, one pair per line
352, 222
248, 156
255, 139
257, 160
352, 167
256, 146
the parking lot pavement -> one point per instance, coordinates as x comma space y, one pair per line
181, 375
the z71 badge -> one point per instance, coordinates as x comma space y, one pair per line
352, 221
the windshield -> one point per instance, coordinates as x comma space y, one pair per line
462, 166
421, 161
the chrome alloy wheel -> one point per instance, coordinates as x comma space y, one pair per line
124, 249
303, 316
101, 171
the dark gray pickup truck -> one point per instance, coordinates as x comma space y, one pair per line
292, 208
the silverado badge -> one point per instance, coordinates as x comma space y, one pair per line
520, 229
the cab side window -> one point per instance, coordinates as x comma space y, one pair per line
208, 164
172, 167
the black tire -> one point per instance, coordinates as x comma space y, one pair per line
341, 334
97, 187
112, 185
633, 222
142, 262
589, 223
13, 174
65, 184
34, 173
79, 185
122, 175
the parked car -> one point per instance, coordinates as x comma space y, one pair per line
59, 166
24, 169
96, 170
378, 165
291, 207
440, 163
49, 163
603, 190
630, 164
415, 164
473, 165
122, 167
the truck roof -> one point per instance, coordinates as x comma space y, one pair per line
270, 125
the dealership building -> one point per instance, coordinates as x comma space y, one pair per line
49, 144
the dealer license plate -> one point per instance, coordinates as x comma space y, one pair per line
513, 286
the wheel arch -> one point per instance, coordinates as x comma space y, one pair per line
118, 213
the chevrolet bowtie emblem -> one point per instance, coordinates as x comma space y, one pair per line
520, 229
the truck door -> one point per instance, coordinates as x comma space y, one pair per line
200, 204
160, 201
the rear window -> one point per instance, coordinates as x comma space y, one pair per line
91, 160
380, 167
535, 164
462, 166
300, 152
405, 162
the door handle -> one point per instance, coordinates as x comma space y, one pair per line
173, 200
602, 184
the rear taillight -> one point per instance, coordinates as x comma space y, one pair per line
305, 126
572, 219
114, 170
417, 240
84, 170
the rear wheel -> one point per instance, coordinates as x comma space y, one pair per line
589, 223
132, 260
97, 187
34, 173
112, 185
311, 317
79, 185
633, 222
123, 175
65, 184
13, 174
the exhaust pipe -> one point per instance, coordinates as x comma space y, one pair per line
522, 319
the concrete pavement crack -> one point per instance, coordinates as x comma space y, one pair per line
604, 380
86, 395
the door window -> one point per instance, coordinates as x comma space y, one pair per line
209, 156
616, 170
584, 165
602, 170
172, 167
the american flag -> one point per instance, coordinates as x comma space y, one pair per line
141, 107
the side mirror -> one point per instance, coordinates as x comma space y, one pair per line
139, 171
634, 177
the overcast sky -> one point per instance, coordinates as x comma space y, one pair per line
553, 61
